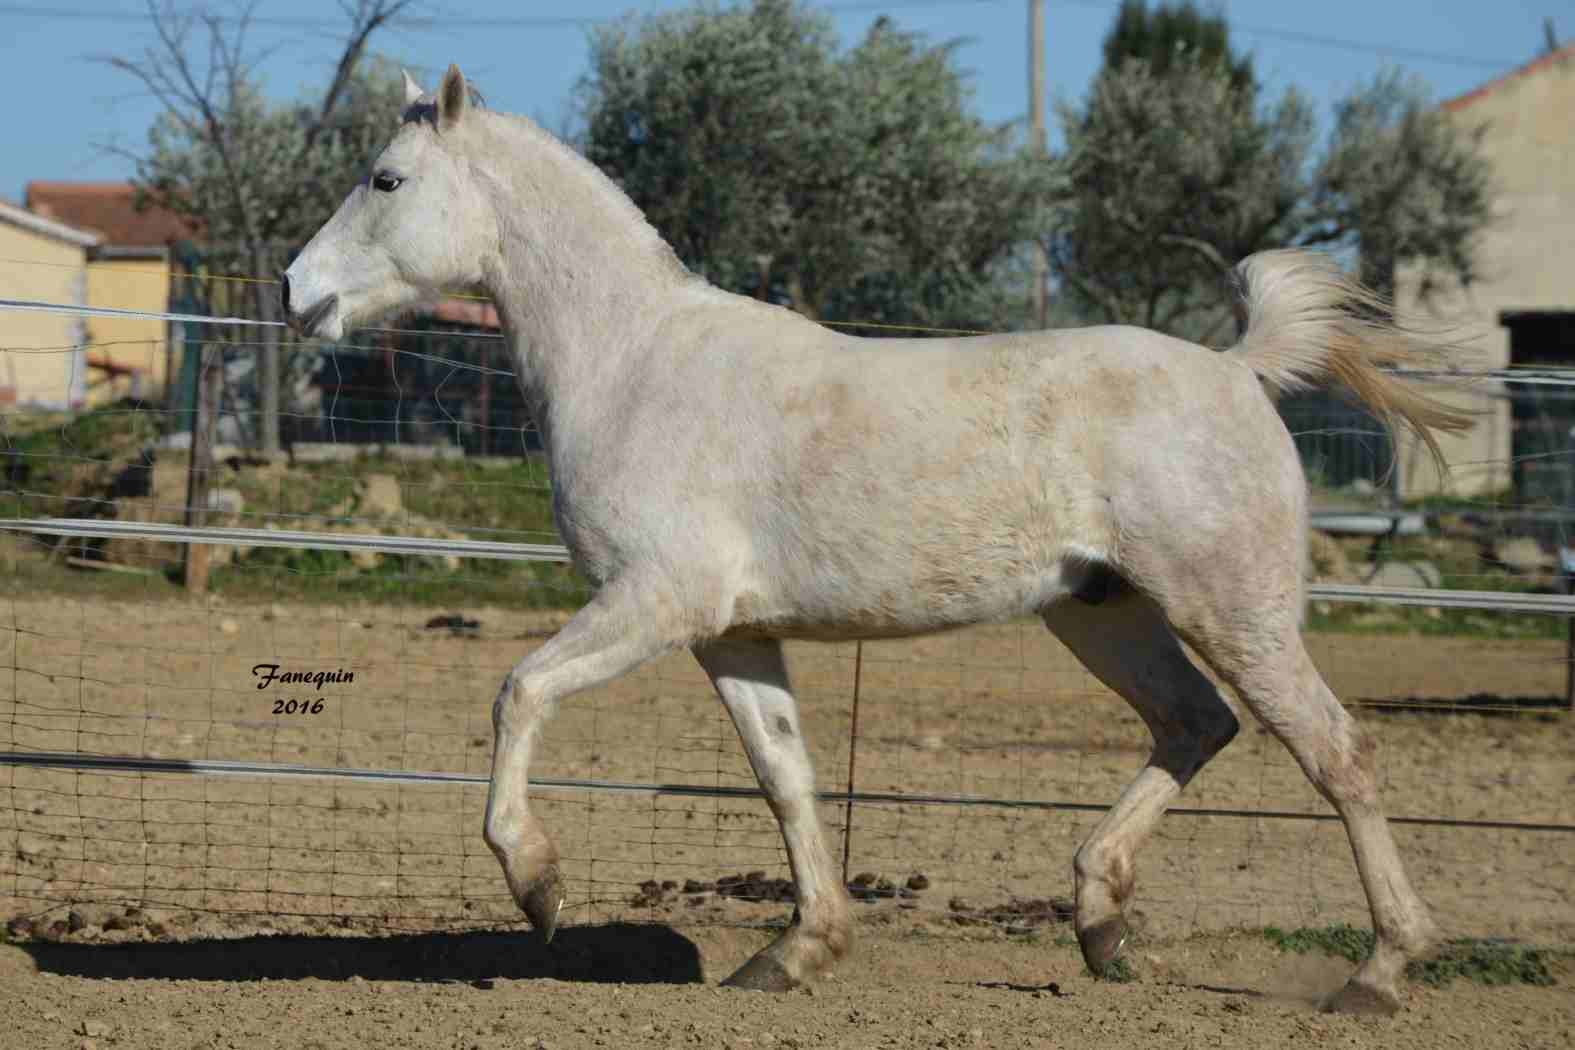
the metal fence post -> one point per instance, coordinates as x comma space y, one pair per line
853, 758
1567, 570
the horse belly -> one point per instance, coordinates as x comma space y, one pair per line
897, 579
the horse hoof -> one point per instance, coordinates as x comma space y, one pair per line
1359, 998
762, 974
1102, 943
543, 901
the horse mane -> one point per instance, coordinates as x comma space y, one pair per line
539, 137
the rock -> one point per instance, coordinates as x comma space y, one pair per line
19, 928
1404, 574
226, 501
93, 1029
1326, 559
229, 626
423, 452
1524, 554
380, 497
323, 452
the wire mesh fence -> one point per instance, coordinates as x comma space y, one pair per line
981, 760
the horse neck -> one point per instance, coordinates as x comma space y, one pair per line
581, 281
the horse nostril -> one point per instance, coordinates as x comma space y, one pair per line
284, 293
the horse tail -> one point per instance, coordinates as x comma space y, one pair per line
1307, 324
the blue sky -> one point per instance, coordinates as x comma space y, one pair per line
66, 108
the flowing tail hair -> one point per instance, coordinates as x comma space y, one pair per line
1310, 325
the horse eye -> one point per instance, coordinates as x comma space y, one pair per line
385, 182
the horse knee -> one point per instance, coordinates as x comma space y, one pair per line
519, 705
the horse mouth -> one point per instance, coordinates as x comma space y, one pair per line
308, 322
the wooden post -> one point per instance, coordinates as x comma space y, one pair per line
199, 471
1036, 133
1567, 568
267, 358
853, 760
486, 396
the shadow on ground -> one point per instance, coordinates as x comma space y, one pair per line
615, 953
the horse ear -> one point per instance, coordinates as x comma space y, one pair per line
453, 97
412, 89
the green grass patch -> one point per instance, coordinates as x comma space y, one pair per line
1347, 942
1117, 971
1351, 618
70, 460
1485, 961
328, 576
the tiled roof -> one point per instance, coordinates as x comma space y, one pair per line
48, 227
1535, 66
109, 209
465, 311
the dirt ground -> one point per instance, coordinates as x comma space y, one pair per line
1002, 712
651, 986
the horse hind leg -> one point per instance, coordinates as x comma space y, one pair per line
1125, 642
1263, 659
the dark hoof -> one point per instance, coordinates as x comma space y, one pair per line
543, 901
1102, 943
1358, 998
762, 974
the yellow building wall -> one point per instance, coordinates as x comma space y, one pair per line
128, 284
38, 365
1526, 259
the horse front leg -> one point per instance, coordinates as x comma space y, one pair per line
751, 678
622, 627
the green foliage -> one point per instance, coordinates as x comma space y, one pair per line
1405, 184
1176, 34
854, 185
1174, 169
1170, 179
1485, 962
1347, 942
1492, 962
71, 460
1117, 971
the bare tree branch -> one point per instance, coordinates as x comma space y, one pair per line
1203, 249
366, 18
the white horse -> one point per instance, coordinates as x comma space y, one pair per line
731, 474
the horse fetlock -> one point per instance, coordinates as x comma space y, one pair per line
1104, 879
1415, 934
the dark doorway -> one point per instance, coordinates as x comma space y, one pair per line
1542, 417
